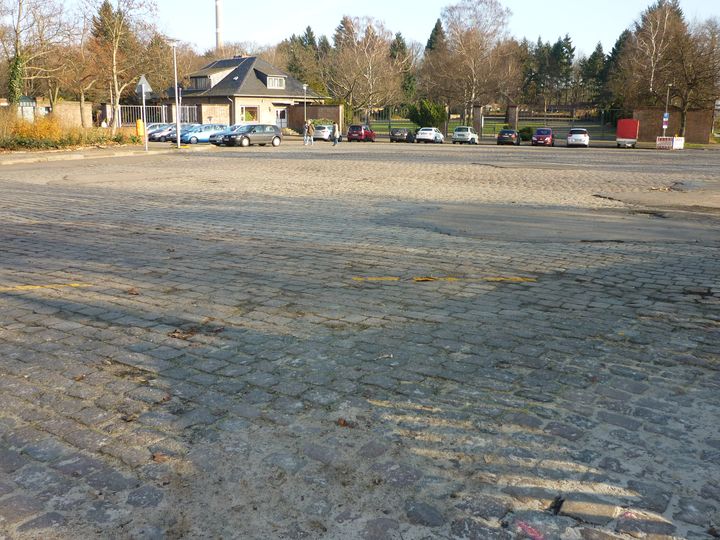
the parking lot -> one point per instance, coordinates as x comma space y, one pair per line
363, 341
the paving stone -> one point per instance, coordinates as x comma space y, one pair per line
420, 513
380, 529
696, 512
485, 507
145, 497
653, 497
19, 508
396, 474
593, 512
637, 521
325, 455
10, 460
619, 420
51, 520
47, 450
565, 431
373, 450
470, 529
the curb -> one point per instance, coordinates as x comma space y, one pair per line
76, 157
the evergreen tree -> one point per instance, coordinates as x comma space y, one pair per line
592, 71
344, 33
438, 39
308, 39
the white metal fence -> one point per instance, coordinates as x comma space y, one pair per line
129, 114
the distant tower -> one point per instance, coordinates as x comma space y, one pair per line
218, 25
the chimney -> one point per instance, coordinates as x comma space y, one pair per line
218, 25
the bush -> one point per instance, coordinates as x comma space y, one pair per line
427, 114
526, 133
46, 133
321, 121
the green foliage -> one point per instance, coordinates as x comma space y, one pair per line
437, 39
427, 113
15, 82
526, 133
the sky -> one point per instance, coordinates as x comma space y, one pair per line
269, 22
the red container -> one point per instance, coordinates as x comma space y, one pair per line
627, 132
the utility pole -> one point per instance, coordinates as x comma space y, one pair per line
218, 25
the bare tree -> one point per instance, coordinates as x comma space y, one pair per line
695, 68
653, 41
474, 29
361, 68
117, 33
81, 73
36, 29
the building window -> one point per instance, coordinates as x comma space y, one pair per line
276, 82
200, 83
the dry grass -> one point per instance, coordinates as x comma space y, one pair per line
47, 133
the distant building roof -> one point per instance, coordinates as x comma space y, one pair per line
247, 77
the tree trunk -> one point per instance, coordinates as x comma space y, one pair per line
83, 120
683, 120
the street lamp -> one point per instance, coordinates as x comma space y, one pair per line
305, 103
173, 44
666, 117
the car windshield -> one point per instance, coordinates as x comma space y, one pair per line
543, 132
355, 128
507, 132
461, 130
578, 132
426, 130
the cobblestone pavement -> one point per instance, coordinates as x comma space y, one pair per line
287, 343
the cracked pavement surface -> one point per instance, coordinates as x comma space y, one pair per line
368, 341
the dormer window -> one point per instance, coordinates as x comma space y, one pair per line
200, 83
276, 82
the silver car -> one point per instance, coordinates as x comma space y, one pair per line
464, 135
578, 137
323, 133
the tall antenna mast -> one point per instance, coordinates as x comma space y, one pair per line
218, 25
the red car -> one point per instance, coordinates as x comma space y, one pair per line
360, 132
543, 136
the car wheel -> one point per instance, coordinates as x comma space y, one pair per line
245, 142
276, 141
193, 140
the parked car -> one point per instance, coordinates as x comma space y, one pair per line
543, 136
508, 136
260, 134
217, 138
360, 132
429, 135
402, 135
464, 135
172, 137
201, 134
323, 133
160, 135
168, 134
578, 137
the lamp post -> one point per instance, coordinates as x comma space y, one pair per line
666, 117
305, 103
177, 97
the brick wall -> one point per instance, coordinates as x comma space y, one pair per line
67, 113
296, 115
214, 113
698, 130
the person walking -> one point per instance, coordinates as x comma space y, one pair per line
311, 133
335, 133
305, 133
